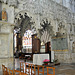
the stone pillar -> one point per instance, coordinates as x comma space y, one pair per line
6, 45
6, 40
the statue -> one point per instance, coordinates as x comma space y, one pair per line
4, 15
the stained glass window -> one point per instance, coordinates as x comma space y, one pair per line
27, 39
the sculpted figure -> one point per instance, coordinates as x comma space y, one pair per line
4, 15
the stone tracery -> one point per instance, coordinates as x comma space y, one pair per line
46, 30
24, 22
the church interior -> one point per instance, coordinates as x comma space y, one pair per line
37, 37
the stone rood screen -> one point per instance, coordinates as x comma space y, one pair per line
59, 44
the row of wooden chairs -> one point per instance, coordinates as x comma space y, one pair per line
27, 68
31, 66
7, 71
53, 68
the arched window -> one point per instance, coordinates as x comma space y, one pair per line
27, 39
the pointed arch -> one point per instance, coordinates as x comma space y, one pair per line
24, 21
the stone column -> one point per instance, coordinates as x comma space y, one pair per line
6, 45
6, 40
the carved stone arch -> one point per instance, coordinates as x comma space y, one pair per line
46, 30
23, 21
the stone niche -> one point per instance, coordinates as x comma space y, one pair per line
6, 39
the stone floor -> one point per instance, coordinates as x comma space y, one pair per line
62, 69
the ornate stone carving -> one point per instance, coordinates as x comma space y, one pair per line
46, 26
12, 3
61, 28
24, 22
71, 37
5, 1
46, 30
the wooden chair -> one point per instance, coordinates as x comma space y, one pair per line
5, 71
16, 72
10, 72
27, 68
40, 66
33, 71
23, 73
50, 68
3, 66
22, 66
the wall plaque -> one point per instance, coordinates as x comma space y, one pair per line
59, 44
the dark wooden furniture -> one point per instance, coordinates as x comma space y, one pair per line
47, 47
35, 44
19, 42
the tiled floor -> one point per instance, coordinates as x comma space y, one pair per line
62, 69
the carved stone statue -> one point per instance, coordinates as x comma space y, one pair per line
4, 15
61, 28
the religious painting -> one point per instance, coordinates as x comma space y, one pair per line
4, 14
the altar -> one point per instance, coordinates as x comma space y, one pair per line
39, 58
